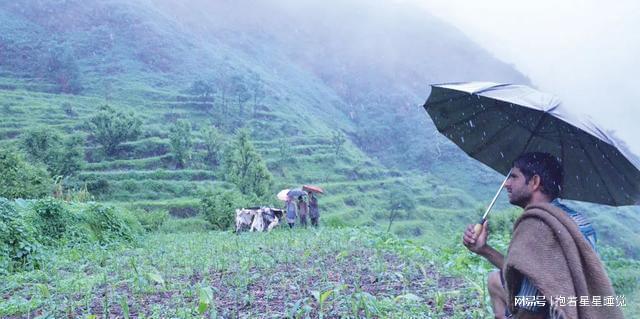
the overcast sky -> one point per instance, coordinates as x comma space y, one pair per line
586, 52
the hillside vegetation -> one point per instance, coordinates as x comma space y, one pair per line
165, 116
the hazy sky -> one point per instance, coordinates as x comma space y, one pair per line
587, 52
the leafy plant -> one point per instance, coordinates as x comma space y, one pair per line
19, 247
218, 208
181, 142
21, 179
110, 128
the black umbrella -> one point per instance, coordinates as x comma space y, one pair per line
496, 123
296, 192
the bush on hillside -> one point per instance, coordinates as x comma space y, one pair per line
181, 142
245, 167
19, 246
106, 224
110, 128
62, 156
218, 208
152, 220
52, 218
21, 179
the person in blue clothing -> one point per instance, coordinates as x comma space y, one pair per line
291, 211
534, 184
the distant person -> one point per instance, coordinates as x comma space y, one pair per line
303, 210
551, 256
291, 211
314, 214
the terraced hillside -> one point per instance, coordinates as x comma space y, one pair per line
294, 89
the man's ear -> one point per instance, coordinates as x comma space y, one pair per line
536, 182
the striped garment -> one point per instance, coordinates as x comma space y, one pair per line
527, 288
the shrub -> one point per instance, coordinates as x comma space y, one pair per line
218, 208
19, 247
106, 224
52, 218
153, 220
21, 179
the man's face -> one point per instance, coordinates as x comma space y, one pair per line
518, 190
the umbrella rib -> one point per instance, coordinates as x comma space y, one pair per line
624, 176
596, 168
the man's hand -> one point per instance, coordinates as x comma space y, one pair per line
476, 243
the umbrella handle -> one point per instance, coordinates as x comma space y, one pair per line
478, 227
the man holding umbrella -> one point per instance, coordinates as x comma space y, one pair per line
534, 184
528, 136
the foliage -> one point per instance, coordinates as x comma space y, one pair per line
219, 208
19, 246
21, 179
399, 202
63, 70
214, 143
203, 89
106, 223
181, 142
152, 220
185, 225
337, 141
110, 128
245, 168
52, 218
62, 156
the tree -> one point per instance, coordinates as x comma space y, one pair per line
181, 142
337, 141
63, 70
213, 143
203, 89
218, 208
21, 179
62, 156
110, 128
256, 90
245, 168
399, 202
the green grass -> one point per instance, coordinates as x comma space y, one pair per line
325, 272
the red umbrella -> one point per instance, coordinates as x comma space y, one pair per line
313, 189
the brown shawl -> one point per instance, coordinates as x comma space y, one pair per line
548, 247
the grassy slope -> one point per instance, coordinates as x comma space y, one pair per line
302, 110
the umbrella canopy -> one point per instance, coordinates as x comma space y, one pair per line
296, 192
313, 189
282, 195
496, 123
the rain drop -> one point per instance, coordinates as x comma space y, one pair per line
501, 154
462, 139
471, 123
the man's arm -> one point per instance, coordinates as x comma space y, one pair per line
477, 243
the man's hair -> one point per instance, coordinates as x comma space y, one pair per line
546, 166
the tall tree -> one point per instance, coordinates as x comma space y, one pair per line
399, 203
63, 70
181, 142
245, 168
110, 128
337, 141
213, 143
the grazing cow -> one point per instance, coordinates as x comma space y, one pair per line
258, 219
244, 218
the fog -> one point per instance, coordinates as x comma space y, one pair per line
582, 51
586, 52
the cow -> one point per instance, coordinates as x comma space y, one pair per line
244, 218
258, 218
